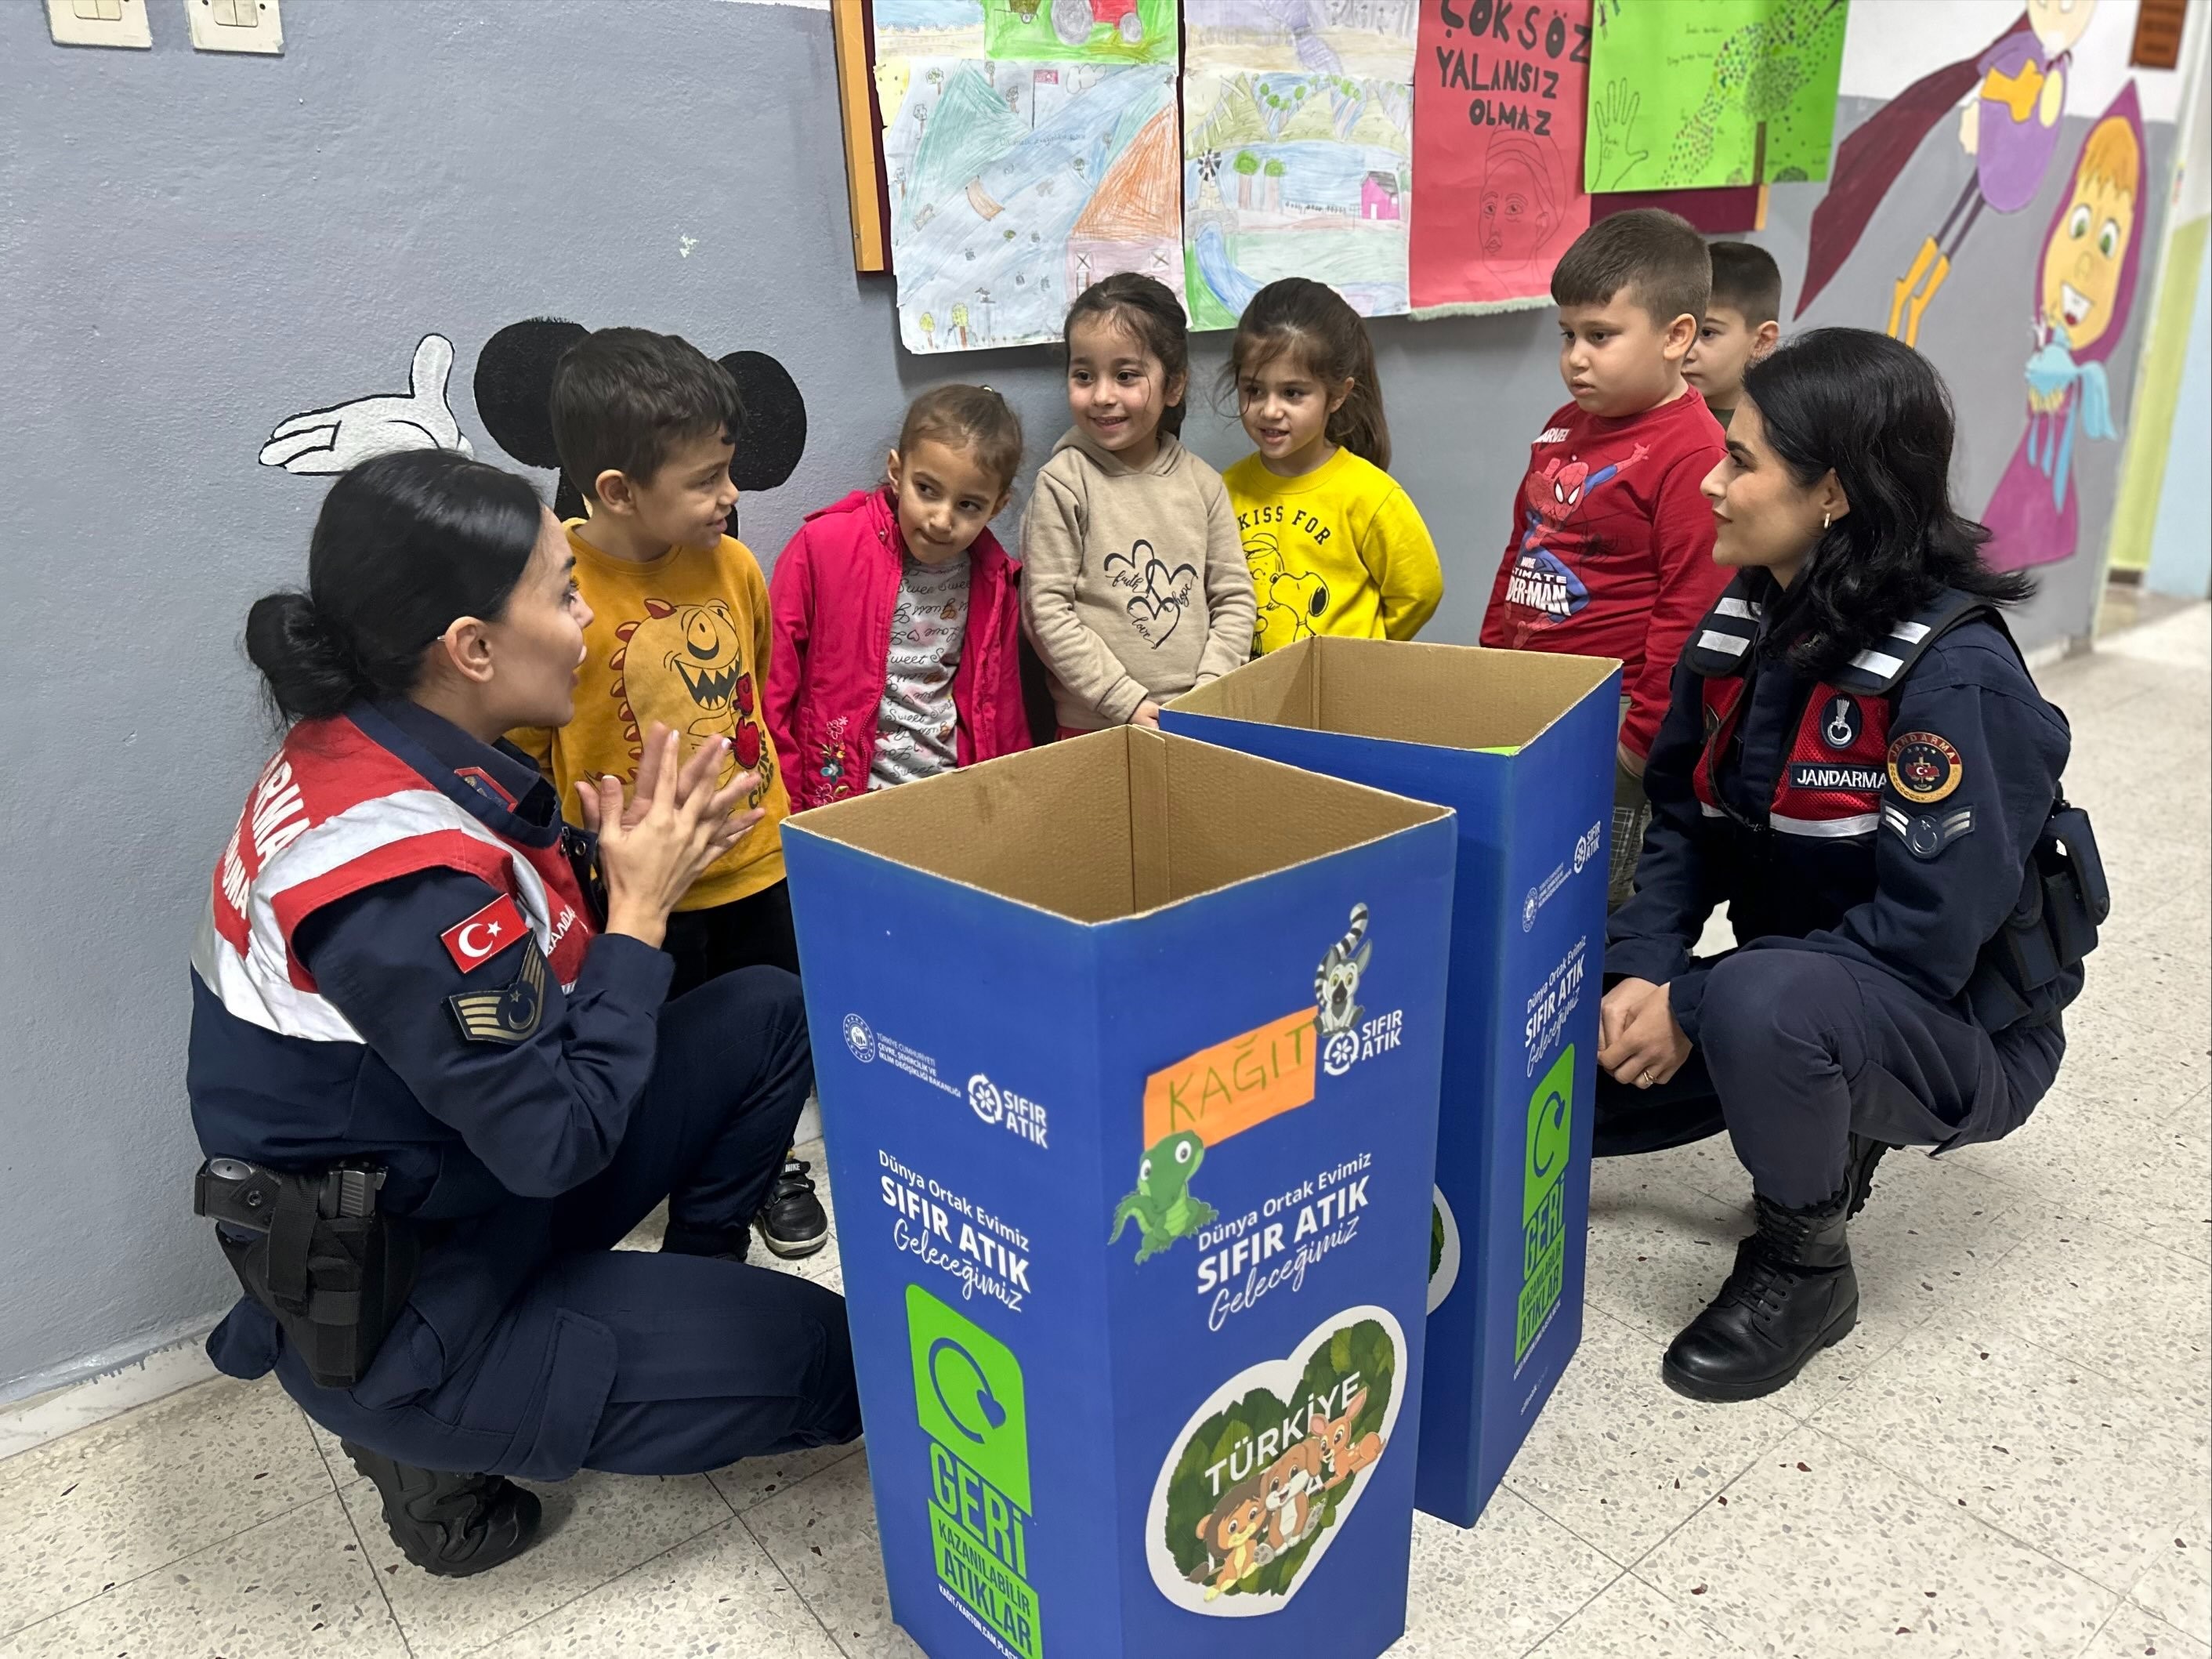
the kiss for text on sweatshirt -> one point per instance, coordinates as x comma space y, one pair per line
1135, 583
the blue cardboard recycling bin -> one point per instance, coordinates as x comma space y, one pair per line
1520, 746
1128, 1052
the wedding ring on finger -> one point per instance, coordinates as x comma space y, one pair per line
1650, 1076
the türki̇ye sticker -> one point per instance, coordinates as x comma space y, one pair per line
1268, 1472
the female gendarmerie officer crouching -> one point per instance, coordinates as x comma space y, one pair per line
1858, 764
435, 1080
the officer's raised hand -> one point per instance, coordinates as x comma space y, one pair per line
653, 847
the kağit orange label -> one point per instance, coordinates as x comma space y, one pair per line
1223, 1090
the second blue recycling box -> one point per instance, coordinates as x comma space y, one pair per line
1128, 1052
1520, 746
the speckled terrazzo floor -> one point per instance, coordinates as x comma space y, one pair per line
2007, 1459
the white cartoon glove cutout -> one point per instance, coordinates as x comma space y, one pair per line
341, 437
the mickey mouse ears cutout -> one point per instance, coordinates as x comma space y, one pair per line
514, 389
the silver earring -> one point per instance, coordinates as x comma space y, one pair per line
1825, 517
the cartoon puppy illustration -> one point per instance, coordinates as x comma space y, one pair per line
1345, 1457
1286, 1489
1232, 1535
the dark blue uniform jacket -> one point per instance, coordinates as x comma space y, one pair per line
479, 1138
1915, 874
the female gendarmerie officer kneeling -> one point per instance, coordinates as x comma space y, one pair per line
401, 972
1858, 764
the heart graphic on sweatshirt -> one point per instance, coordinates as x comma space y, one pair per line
1158, 593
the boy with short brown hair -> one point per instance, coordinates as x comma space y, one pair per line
1742, 323
1612, 548
645, 426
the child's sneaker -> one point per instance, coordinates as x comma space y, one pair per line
793, 1223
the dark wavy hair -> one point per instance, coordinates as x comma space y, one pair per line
404, 545
1322, 334
1875, 412
1149, 310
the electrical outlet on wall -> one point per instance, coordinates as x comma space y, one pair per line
235, 24
99, 24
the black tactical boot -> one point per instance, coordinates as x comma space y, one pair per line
1792, 1294
452, 1525
1865, 1153
793, 1223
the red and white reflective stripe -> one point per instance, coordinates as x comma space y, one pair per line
1859, 824
258, 984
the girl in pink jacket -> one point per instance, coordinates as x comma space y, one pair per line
896, 615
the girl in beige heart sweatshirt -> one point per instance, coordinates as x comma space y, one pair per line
1134, 584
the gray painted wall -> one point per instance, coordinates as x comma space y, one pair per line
194, 248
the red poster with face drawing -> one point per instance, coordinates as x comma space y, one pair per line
1498, 98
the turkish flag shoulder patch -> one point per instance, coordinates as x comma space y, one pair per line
473, 942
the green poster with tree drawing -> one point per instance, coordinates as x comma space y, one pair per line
1694, 94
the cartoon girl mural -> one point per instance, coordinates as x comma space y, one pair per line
2085, 285
2010, 127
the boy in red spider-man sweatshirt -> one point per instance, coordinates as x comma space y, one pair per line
1612, 553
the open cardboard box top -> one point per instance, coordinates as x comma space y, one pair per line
1451, 696
1113, 825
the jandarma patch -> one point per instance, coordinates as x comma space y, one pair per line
508, 1016
1923, 768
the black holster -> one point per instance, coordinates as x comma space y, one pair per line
2030, 970
312, 1249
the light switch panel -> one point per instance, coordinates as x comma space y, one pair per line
235, 24
99, 24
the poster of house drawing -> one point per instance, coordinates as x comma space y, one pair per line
1690, 94
1029, 150
1297, 151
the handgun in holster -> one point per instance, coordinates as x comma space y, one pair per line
313, 1249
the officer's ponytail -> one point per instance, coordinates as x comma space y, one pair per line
404, 544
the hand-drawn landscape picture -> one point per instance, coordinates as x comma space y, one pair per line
1297, 151
1028, 151
1295, 175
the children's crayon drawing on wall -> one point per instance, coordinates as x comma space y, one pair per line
1298, 151
1028, 151
1499, 151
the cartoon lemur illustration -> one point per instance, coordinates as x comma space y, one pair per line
1286, 1490
1231, 1537
1162, 1205
1336, 981
1344, 1456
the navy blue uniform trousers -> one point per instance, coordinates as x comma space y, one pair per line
1798, 1050
643, 1363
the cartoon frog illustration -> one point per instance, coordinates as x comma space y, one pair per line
1163, 1207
